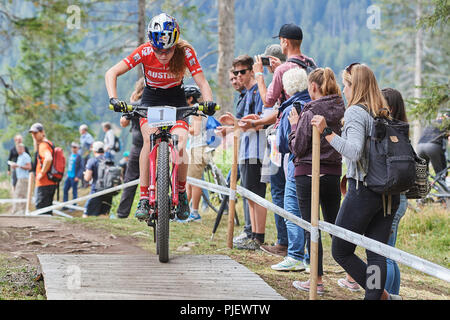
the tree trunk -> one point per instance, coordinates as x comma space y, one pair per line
141, 29
418, 73
226, 54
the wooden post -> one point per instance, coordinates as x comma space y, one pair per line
29, 192
314, 259
233, 178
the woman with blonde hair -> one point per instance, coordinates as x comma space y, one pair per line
326, 101
165, 60
362, 209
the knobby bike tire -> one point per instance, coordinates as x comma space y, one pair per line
162, 190
212, 174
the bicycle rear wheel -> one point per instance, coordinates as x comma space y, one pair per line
162, 190
212, 174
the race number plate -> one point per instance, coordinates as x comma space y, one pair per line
161, 116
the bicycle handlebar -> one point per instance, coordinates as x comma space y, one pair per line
139, 107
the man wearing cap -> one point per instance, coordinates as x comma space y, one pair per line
45, 188
102, 204
291, 37
74, 172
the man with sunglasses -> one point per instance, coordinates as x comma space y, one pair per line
251, 150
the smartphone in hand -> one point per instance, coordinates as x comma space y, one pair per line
265, 61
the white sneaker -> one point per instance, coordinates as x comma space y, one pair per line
240, 238
289, 264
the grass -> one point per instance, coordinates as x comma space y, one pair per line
19, 281
423, 233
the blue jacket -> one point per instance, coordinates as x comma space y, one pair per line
284, 127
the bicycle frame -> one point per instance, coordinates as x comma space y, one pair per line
164, 135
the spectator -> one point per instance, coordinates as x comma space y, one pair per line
395, 102
108, 141
132, 172
432, 145
251, 151
295, 81
102, 204
86, 141
198, 157
362, 209
291, 37
74, 172
327, 102
240, 108
13, 155
124, 161
272, 170
45, 188
21, 168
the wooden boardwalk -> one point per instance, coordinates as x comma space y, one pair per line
122, 277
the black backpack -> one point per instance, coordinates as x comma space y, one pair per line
392, 164
309, 65
117, 145
108, 175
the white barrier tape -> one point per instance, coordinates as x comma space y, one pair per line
62, 214
12, 200
69, 206
232, 194
387, 251
90, 196
210, 186
395, 254
314, 234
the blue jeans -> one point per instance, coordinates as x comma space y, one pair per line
277, 186
393, 272
296, 235
70, 183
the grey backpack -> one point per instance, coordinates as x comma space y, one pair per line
108, 175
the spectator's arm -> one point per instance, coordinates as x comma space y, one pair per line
79, 167
87, 175
274, 90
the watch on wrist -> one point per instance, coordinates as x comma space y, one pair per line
326, 132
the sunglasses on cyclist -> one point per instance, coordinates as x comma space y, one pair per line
242, 72
163, 51
349, 68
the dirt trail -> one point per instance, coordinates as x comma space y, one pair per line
25, 237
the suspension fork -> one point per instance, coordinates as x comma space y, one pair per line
152, 170
174, 155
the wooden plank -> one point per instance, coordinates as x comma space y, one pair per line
111, 277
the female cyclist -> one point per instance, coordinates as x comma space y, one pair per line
165, 60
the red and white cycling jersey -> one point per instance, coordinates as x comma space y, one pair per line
158, 75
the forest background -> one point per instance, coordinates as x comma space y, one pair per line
54, 54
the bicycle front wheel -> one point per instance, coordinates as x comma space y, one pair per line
162, 189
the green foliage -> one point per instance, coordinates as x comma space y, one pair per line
49, 77
396, 40
435, 98
440, 14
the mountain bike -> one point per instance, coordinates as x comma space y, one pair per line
213, 174
439, 187
163, 169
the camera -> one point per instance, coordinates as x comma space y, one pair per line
265, 61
